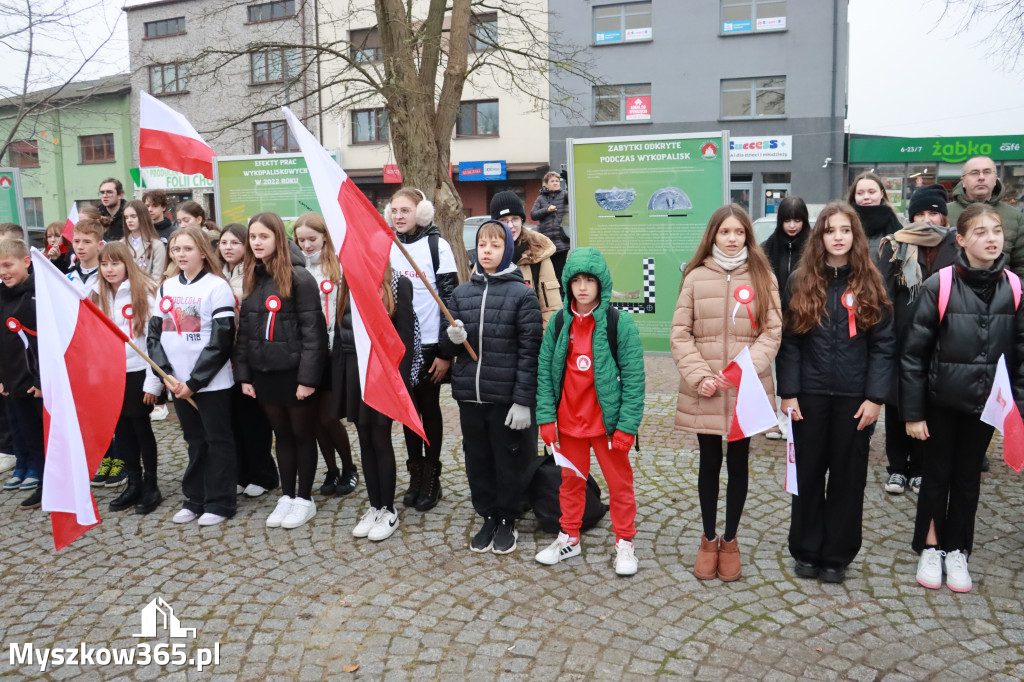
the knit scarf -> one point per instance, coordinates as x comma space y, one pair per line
905, 244
728, 263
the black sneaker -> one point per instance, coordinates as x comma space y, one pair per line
117, 474
330, 485
33, 501
346, 482
806, 569
505, 536
484, 538
102, 473
985, 466
833, 574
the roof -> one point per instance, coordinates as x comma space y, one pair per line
109, 85
143, 4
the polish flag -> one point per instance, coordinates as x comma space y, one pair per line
1001, 412
365, 245
82, 397
69, 224
753, 413
168, 140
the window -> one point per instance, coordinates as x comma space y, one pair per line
622, 23
165, 27
33, 211
369, 125
273, 136
96, 148
621, 103
271, 11
364, 45
274, 65
483, 32
754, 97
166, 79
748, 16
23, 154
477, 119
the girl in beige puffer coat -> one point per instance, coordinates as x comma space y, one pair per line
729, 299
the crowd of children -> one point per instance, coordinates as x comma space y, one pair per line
251, 332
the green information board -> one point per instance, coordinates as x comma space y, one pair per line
644, 202
934, 149
247, 185
10, 196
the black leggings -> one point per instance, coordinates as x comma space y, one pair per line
737, 455
378, 458
135, 439
427, 397
294, 432
332, 436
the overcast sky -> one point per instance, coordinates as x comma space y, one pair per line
909, 75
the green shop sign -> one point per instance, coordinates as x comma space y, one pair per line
934, 149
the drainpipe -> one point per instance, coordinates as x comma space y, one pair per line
835, 56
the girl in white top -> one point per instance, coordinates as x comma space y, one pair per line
126, 295
140, 235
313, 237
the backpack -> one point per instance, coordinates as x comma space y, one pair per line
544, 478
946, 287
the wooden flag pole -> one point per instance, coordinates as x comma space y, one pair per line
444, 309
162, 374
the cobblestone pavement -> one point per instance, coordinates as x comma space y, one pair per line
305, 603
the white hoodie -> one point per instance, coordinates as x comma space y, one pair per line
133, 361
329, 301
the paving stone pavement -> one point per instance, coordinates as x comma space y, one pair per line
304, 603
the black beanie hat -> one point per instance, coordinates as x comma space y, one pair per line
507, 203
928, 198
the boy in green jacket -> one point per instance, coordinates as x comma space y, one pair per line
596, 396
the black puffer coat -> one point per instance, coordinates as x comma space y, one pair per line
503, 321
784, 251
826, 361
549, 223
19, 366
300, 333
953, 364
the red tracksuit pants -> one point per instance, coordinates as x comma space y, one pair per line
618, 473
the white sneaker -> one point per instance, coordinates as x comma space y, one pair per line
781, 433
362, 528
558, 550
929, 569
915, 484
957, 577
7, 462
184, 516
387, 524
209, 519
253, 490
239, 489
159, 413
300, 512
625, 559
280, 511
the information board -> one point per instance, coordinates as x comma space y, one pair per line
247, 185
10, 196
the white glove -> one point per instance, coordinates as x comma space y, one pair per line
457, 333
518, 418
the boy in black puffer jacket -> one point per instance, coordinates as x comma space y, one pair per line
500, 317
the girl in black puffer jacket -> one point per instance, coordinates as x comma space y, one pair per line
834, 367
946, 374
280, 356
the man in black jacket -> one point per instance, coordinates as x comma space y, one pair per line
112, 205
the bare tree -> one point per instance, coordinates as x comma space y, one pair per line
45, 50
1005, 39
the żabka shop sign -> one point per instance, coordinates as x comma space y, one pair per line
945, 149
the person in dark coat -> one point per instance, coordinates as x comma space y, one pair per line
112, 205
868, 197
550, 210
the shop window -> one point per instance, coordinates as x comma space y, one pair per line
168, 79
622, 103
364, 45
622, 23
96, 148
273, 136
369, 125
483, 32
753, 16
754, 97
273, 66
477, 119
32, 208
271, 11
164, 28
23, 154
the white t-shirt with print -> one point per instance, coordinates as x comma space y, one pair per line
427, 312
188, 310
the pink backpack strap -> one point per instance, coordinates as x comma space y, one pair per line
945, 287
1014, 286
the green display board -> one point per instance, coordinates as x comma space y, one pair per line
10, 196
247, 185
644, 202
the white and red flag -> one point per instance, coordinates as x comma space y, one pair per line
365, 241
83, 387
1001, 412
791, 484
168, 140
753, 413
69, 225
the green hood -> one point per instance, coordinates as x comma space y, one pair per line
588, 260
960, 195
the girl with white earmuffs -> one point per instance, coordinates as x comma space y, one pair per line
412, 217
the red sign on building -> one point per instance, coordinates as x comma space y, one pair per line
638, 108
391, 174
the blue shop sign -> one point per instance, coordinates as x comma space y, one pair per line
737, 26
481, 170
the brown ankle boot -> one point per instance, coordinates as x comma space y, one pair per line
729, 568
707, 559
